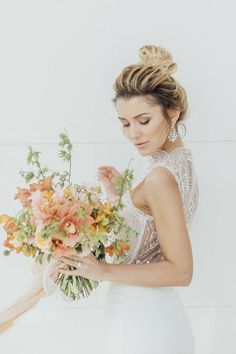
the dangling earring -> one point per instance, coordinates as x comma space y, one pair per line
173, 133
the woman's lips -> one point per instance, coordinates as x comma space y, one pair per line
141, 144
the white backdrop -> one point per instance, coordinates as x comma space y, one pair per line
58, 61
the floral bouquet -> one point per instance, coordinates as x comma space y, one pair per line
58, 218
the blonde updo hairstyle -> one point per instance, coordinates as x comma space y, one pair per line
152, 78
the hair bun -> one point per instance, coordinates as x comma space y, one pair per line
152, 55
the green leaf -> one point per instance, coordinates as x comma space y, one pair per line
6, 252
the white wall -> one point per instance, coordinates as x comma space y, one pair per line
58, 62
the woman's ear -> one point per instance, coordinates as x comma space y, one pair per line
174, 114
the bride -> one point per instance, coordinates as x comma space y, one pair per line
143, 310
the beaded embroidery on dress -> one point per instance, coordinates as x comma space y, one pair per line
145, 248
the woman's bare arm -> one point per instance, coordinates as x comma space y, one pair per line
164, 200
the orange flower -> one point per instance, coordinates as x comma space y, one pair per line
7, 244
23, 195
10, 226
20, 248
109, 250
124, 247
45, 184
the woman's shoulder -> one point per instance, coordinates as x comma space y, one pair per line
163, 164
168, 169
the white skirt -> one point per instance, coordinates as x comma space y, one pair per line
129, 320
146, 320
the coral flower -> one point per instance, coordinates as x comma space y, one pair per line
33, 187
43, 209
69, 227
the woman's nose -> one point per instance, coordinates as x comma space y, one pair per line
134, 132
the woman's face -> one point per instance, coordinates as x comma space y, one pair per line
143, 123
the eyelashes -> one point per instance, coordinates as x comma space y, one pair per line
143, 123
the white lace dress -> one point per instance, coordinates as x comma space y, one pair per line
149, 320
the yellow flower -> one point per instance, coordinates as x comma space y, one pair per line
93, 228
102, 228
4, 218
47, 194
67, 192
28, 250
100, 217
42, 242
107, 211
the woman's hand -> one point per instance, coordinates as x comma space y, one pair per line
89, 266
55, 270
107, 175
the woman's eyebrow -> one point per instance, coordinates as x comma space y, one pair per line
135, 116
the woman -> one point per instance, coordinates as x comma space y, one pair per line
144, 313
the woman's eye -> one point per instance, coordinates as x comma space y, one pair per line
126, 125
146, 122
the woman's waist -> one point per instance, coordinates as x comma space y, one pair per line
126, 297
141, 291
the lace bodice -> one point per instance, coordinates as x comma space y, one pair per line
145, 248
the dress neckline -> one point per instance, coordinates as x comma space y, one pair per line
152, 158
162, 154
160, 151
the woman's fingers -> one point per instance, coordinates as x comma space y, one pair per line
69, 272
72, 260
109, 169
55, 270
105, 167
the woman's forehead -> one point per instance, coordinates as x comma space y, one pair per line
132, 107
